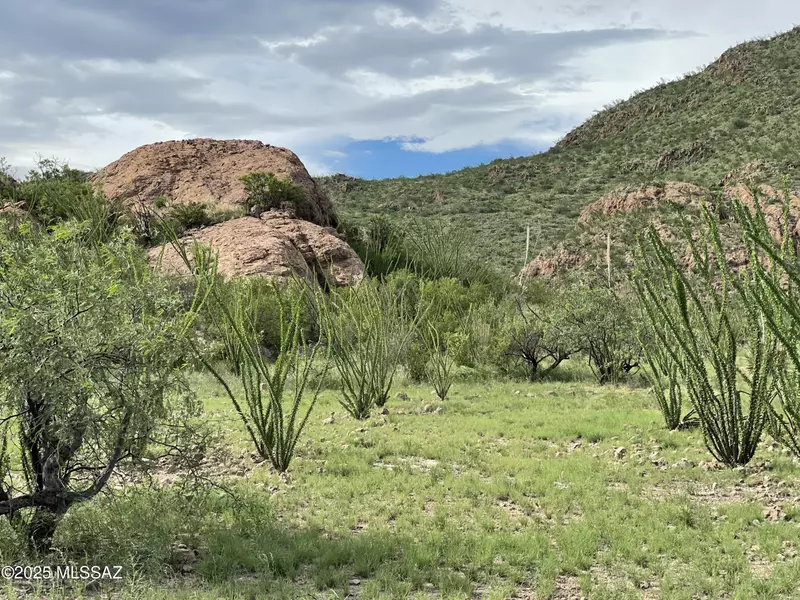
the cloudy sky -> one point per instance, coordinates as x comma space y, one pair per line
373, 88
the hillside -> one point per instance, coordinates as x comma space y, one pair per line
743, 107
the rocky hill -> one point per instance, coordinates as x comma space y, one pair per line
207, 171
744, 107
204, 174
612, 222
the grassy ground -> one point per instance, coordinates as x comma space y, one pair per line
561, 490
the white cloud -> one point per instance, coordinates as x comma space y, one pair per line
314, 74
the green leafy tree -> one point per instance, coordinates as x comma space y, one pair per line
91, 355
606, 325
542, 337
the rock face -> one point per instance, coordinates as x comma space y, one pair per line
626, 200
551, 265
276, 246
14, 211
207, 171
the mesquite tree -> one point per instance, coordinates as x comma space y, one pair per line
542, 338
90, 360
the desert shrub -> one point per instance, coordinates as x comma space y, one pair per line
91, 351
188, 216
732, 400
8, 186
541, 336
431, 250
440, 368
380, 245
489, 327
55, 193
437, 250
446, 304
416, 360
271, 404
367, 330
406, 288
156, 226
267, 192
605, 323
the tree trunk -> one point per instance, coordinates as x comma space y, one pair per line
42, 528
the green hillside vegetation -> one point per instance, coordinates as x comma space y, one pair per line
439, 430
742, 107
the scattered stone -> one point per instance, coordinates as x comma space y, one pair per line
183, 557
774, 514
384, 411
620, 453
401, 396
330, 420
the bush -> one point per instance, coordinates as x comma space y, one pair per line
368, 332
541, 337
55, 193
606, 325
91, 351
431, 251
416, 360
189, 216
267, 192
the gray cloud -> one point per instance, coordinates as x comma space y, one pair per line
69, 69
414, 51
149, 29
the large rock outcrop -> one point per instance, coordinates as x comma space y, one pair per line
629, 199
276, 246
207, 171
610, 215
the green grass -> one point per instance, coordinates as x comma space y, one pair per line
743, 107
493, 497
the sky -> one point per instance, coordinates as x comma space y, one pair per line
371, 88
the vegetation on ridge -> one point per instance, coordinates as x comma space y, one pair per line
743, 107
